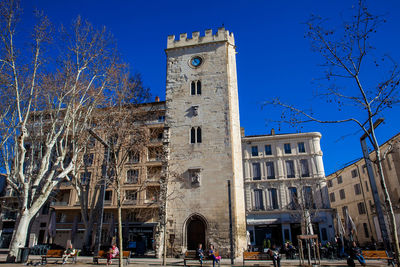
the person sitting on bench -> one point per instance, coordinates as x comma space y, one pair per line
112, 253
70, 251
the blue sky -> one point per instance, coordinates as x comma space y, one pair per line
274, 59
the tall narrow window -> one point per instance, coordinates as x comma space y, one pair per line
290, 169
332, 197
258, 199
366, 232
293, 200
342, 194
273, 198
193, 88
305, 172
268, 150
357, 189
256, 171
198, 87
288, 149
193, 135
308, 197
302, 148
198, 135
270, 170
254, 151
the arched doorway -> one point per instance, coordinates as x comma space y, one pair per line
196, 232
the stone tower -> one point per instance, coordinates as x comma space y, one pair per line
204, 144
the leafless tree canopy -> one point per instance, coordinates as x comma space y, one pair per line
48, 92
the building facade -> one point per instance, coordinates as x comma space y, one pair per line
284, 181
350, 189
204, 146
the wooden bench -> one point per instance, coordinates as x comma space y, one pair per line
191, 255
377, 255
255, 256
57, 254
102, 255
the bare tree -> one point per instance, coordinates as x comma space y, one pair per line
48, 92
346, 52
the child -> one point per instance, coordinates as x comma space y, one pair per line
112, 253
200, 253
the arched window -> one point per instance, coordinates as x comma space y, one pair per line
198, 135
193, 88
193, 135
198, 87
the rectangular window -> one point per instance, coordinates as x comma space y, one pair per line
305, 172
88, 159
339, 180
344, 211
130, 196
308, 197
290, 169
85, 178
132, 176
133, 157
273, 198
270, 170
361, 208
293, 200
268, 150
108, 195
302, 148
366, 232
256, 171
330, 183
332, 197
363, 168
288, 149
342, 194
366, 186
254, 151
258, 199
354, 173
357, 189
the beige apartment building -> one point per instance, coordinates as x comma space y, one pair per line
283, 178
141, 175
349, 189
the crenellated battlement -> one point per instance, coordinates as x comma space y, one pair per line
221, 35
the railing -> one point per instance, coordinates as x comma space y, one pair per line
107, 202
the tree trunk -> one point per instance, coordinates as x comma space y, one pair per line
19, 239
389, 205
121, 250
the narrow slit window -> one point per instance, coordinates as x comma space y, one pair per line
199, 135
198, 87
193, 135
193, 88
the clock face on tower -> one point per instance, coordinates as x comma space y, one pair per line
196, 61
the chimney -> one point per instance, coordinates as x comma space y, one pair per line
157, 99
241, 131
272, 131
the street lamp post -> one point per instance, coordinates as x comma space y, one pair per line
102, 190
374, 190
